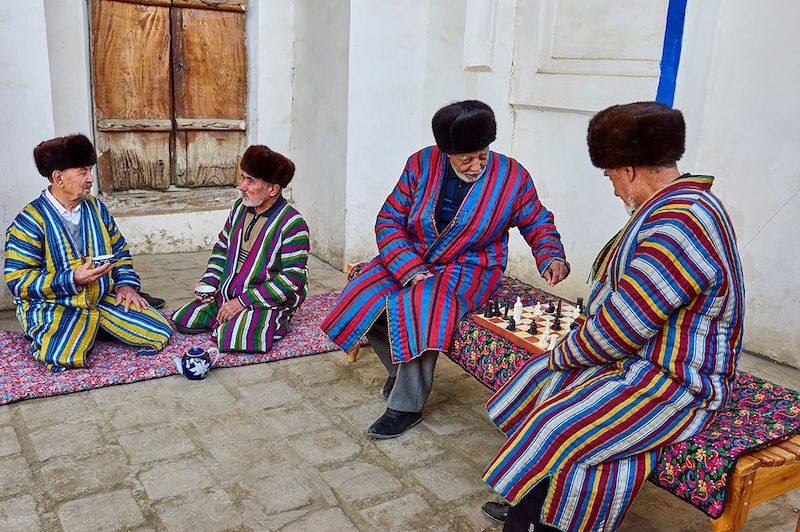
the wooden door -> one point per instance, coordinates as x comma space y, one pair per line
169, 85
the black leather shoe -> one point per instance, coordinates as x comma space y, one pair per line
393, 423
496, 511
388, 386
155, 302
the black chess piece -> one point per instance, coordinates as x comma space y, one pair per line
556, 324
497, 308
488, 310
550, 307
505, 314
579, 304
558, 310
512, 325
532, 329
573, 326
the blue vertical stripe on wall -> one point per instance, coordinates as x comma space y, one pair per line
671, 53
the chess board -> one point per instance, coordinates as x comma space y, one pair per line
533, 343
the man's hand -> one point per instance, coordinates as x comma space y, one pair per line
85, 274
128, 296
229, 310
420, 277
556, 272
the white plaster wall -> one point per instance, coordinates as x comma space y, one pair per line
319, 122
270, 45
68, 49
26, 116
406, 61
749, 140
172, 233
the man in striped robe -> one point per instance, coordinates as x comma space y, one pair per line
443, 237
62, 300
257, 269
653, 360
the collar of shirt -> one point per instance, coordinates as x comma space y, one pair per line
70, 216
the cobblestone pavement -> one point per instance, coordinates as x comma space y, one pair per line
278, 446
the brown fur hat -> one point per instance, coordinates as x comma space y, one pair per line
270, 166
636, 134
464, 127
72, 151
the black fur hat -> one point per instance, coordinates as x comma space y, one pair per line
636, 134
263, 163
464, 127
73, 151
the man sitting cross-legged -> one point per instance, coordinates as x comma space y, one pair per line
62, 299
258, 265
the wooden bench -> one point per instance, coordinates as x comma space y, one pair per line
758, 476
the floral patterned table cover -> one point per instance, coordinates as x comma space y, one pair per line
696, 470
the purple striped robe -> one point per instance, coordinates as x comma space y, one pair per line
650, 365
468, 257
271, 284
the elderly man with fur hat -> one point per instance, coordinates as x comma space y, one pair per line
442, 235
62, 298
654, 359
257, 271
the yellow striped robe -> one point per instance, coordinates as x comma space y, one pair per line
650, 365
59, 317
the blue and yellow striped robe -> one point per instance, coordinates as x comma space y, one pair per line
60, 318
650, 365
271, 284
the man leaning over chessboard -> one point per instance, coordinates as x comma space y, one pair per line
654, 358
442, 235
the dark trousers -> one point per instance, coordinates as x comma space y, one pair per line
524, 517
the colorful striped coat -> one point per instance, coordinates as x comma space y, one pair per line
60, 317
271, 283
468, 257
650, 365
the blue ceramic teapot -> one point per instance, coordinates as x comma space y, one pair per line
195, 363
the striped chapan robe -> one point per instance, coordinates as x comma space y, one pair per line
468, 257
271, 283
650, 365
61, 318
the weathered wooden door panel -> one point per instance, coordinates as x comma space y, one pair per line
170, 90
132, 93
210, 80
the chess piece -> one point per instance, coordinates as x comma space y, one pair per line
532, 329
554, 338
557, 323
576, 312
579, 305
505, 312
537, 310
512, 324
488, 310
497, 308
518, 310
558, 310
550, 307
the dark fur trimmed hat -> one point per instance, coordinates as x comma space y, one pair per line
464, 127
263, 163
72, 151
636, 134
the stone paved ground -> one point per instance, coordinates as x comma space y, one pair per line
279, 446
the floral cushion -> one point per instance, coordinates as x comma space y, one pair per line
696, 470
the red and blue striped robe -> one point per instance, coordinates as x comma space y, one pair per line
650, 365
468, 257
271, 284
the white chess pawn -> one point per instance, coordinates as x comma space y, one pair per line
554, 338
537, 310
576, 312
518, 310
546, 334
